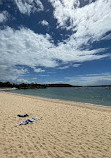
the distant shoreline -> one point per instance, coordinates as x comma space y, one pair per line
43, 86
86, 95
68, 102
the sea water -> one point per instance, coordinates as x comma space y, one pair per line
93, 95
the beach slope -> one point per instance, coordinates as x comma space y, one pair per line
65, 130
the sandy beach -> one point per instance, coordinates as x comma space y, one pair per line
65, 130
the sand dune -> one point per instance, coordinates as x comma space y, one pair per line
66, 130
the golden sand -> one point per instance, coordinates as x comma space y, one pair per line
66, 130
2, 89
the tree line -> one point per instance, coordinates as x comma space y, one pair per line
32, 85
21, 86
35, 85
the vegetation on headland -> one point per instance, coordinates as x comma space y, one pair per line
32, 85
37, 86
21, 86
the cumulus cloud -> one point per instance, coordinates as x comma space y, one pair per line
89, 22
29, 6
90, 79
24, 47
44, 23
12, 74
3, 16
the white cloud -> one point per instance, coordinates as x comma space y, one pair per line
12, 74
24, 47
44, 23
90, 79
76, 65
64, 67
3, 16
107, 37
67, 66
38, 70
29, 6
90, 22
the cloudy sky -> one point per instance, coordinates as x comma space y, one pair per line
55, 41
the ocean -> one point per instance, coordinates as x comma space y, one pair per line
92, 95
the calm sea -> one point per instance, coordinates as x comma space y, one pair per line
93, 95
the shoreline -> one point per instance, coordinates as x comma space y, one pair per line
67, 129
68, 102
3, 89
96, 100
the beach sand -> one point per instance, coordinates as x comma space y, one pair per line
2, 89
66, 130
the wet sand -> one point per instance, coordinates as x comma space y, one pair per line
66, 130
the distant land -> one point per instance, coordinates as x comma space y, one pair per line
32, 85
38, 86
60, 85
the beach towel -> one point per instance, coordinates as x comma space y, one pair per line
28, 121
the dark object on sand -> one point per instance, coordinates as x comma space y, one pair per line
23, 115
28, 121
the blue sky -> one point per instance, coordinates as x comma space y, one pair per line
55, 41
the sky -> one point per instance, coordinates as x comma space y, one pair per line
55, 41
